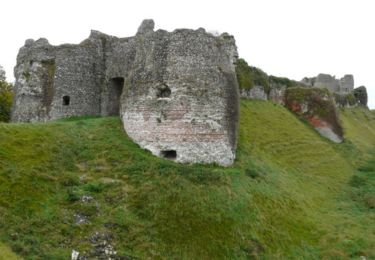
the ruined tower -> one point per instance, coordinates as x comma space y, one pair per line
176, 92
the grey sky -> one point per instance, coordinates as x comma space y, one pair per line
291, 38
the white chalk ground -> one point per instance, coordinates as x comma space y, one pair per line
329, 134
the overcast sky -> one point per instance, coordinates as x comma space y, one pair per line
291, 38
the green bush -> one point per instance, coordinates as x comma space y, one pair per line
282, 81
249, 76
351, 99
6, 97
345, 99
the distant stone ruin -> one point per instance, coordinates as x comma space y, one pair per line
314, 100
344, 85
176, 92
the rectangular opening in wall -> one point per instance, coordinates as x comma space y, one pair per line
115, 90
169, 154
66, 100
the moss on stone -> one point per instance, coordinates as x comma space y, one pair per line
317, 102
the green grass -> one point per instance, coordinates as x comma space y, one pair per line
290, 195
359, 128
7, 254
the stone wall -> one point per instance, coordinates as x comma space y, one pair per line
360, 95
57, 81
176, 92
327, 81
256, 92
341, 86
277, 93
181, 98
346, 84
32, 89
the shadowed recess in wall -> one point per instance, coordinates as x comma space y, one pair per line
66, 100
115, 90
163, 91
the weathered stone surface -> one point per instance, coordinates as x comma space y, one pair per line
277, 93
45, 74
346, 84
360, 94
256, 92
176, 92
147, 26
357, 97
327, 81
345, 100
181, 99
341, 86
318, 108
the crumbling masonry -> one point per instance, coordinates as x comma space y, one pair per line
176, 92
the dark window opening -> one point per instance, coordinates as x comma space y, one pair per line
66, 100
169, 154
164, 91
115, 90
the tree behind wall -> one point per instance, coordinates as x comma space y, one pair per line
6, 97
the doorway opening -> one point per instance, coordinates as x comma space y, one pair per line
115, 90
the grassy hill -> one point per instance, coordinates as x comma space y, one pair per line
360, 128
291, 194
7, 254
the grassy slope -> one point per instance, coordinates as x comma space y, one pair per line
359, 125
290, 194
6, 253
321, 172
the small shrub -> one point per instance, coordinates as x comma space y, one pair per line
248, 76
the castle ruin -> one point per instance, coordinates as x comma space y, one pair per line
176, 92
344, 85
